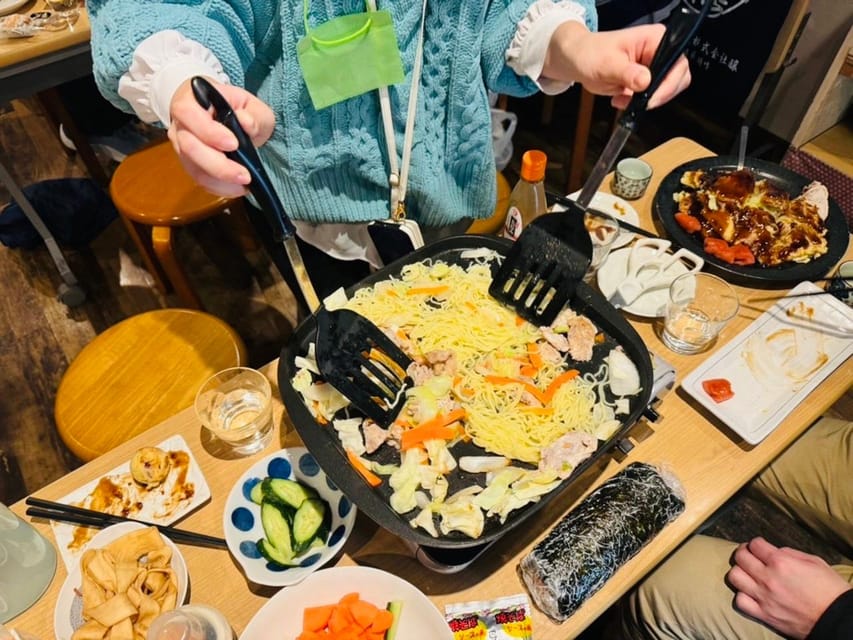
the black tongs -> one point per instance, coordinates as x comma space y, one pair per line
352, 353
540, 274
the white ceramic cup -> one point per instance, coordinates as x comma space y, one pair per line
631, 178
698, 308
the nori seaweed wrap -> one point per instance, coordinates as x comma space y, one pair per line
593, 540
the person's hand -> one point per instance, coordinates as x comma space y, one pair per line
612, 63
201, 142
784, 588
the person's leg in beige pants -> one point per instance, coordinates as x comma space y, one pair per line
687, 597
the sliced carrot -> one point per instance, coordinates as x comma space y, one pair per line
599, 338
471, 305
436, 429
519, 321
316, 618
382, 622
428, 291
528, 371
501, 380
363, 612
391, 293
340, 619
534, 355
558, 382
312, 635
372, 479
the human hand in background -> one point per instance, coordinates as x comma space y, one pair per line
784, 588
612, 63
201, 142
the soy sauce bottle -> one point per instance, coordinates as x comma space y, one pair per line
527, 200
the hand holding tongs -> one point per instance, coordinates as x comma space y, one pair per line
650, 271
352, 353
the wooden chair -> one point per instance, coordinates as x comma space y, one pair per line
154, 194
139, 372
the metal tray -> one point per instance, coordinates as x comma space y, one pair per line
324, 444
664, 209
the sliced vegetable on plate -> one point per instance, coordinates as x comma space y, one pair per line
719, 389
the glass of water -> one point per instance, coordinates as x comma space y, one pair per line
27, 564
235, 405
66, 13
698, 308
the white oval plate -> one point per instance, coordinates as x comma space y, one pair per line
419, 618
10, 6
649, 305
614, 206
67, 615
241, 520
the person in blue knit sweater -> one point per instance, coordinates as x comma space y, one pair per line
332, 166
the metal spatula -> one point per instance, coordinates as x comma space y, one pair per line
539, 276
352, 353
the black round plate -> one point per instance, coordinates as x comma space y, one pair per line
837, 235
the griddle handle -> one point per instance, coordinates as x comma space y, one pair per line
680, 30
246, 155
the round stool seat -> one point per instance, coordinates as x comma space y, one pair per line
139, 372
494, 223
151, 186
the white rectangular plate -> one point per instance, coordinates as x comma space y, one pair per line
776, 362
152, 502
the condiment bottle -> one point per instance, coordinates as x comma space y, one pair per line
190, 622
527, 200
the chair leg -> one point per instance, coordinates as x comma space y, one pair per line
161, 240
587, 101
143, 245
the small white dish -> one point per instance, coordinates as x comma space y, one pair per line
10, 6
614, 206
650, 304
775, 362
155, 505
68, 613
419, 618
241, 520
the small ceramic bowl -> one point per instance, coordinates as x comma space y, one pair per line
242, 518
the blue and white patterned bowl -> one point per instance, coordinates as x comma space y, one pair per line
242, 518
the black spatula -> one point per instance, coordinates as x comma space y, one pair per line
540, 273
352, 353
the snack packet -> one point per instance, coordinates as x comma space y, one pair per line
506, 618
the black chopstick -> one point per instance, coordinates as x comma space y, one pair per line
622, 224
86, 517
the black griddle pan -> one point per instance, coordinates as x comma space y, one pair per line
322, 440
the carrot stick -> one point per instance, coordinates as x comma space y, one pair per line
534, 355
429, 291
529, 387
435, 429
529, 371
372, 479
519, 321
558, 382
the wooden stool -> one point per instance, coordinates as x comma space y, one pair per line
151, 189
139, 372
494, 223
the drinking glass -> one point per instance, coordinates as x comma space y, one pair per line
66, 13
27, 564
698, 308
603, 231
235, 405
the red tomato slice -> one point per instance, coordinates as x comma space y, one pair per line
743, 254
720, 249
688, 222
719, 389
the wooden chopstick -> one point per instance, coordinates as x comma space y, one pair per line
783, 296
86, 517
622, 224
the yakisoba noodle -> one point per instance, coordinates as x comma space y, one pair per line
446, 307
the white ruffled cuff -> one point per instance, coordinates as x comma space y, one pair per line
526, 52
160, 64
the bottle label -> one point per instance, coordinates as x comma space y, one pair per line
513, 224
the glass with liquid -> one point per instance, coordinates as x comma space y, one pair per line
698, 308
27, 564
235, 405
190, 622
65, 14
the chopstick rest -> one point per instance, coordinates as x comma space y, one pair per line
88, 518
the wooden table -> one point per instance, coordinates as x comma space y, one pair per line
710, 461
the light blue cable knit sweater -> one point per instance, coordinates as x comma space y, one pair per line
331, 165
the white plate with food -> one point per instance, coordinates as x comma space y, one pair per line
159, 579
10, 6
168, 484
613, 206
284, 518
773, 364
419, 619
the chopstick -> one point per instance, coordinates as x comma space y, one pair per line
88, 518
783, 296
627, 226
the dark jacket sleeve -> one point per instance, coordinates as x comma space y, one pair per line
836, 623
